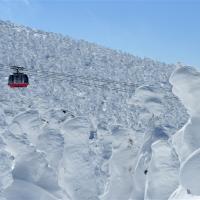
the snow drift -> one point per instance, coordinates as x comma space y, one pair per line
112, 130
185, 81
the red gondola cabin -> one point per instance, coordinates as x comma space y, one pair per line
18, 79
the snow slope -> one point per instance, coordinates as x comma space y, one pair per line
185, 82
90, 135
25, 190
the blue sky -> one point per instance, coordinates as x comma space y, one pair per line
165, 30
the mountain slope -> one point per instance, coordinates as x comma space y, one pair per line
186, 141
85, 126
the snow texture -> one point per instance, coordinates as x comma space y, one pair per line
95, 123
185, 82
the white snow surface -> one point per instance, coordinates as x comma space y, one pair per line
68, 138
185, 81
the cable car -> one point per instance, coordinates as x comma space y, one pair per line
18, 79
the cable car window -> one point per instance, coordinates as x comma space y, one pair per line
25, 78
18, 78
11, 79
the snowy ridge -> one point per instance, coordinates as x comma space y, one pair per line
185, 81
65, 140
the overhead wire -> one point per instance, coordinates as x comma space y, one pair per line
86, 77
102, 83
75, 81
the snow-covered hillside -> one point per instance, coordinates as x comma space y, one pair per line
186, 141
94, 124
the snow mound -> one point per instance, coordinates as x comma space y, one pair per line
21, 190
182, 194
125, 149
186, 85
162, 178
6, 167
189, 173
79, 172
150, 97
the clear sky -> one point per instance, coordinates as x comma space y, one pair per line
165, 30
